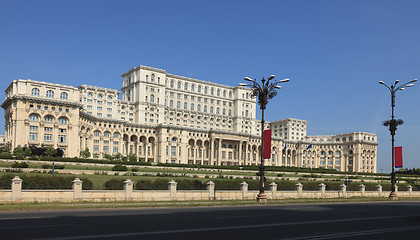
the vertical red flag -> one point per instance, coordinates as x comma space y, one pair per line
267, 144
398, 157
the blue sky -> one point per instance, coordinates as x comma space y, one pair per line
334, 52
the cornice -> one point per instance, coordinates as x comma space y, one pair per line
41, 100
145, 68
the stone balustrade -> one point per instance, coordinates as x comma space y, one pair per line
17, 194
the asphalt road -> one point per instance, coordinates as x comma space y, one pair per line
384, 220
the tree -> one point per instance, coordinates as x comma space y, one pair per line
118, 157
18, 151
51, 151
132, 158
85, 153
27, 152
109, 157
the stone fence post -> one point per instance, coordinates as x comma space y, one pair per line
299, 189
321, 188
362, 189
77, 188
172, 188
379, 189
409, 189
16, 188
343, 190
128, 187
244, 190
210, 188
273, 189
396, 188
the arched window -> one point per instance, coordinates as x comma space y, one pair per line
212, 91
35, 92
152, 98
109, 97
48, 119
34, 118
246, 113
49, 94
178, 104
199, 107
179, 85
192, 88
205, 108
186, 86
96, 133
64, 96
218, 92
192, 107
172, 84
174, 139
116, 135
217, 110
230, 112
62, 120
107, 134
224, 111
230, 94
152, 78
206, 90
211, 109
89, 94
100, 95
224, 93
171, 103
199, 89
185, 105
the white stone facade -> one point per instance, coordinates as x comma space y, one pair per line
161, 117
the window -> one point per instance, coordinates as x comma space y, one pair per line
185, 105
186, 86
47, 129
205, 108
152, 98
192, 88
173, 151
62, 130
107, 134
172, 84
109, 103
49, 94
62, 120
89, 100
35, 92
33, 136
115, 149
47, 137
106, 149
96, 133
33, 118
33, 128
212, 91
64, 96
152, 78
199, 107
218, 92
116, 135
89, 94
100, 95
49, 119
171, 103
179, 85
61, 138
211, 109
192, 106
199, 89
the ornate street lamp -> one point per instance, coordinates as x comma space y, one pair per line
393, 127
264, 92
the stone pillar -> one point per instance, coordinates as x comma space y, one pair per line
128, 187
244, 190
172, 188
409, 189
343, 190
299, 188
77, 188
379, 189
396, 188
273, 189
240, 160
16, 188
362, 189
321, 188
210, 188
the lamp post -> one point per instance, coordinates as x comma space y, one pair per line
264, 92
393, 88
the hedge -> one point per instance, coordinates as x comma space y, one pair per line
114, 184
43, 182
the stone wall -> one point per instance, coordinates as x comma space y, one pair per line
16, 194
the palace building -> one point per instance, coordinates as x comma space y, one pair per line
162, 117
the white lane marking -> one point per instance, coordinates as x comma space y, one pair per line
356, 233
115, 235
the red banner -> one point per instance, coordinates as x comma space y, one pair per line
267, 144
398, 157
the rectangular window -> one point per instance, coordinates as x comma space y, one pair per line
223, 154
48, 129
96, 148
33, 128
61, 138
61, 130
115, 149
47, 137
33, 136
173, 151
106, 149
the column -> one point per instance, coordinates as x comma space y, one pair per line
16, 188
77, 188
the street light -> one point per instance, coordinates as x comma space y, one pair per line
264, 92
393, 127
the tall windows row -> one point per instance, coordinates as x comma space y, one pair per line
49, 94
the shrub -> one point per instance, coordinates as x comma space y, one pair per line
20, 165
119, 168
134, 169
114, 184
157, 184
